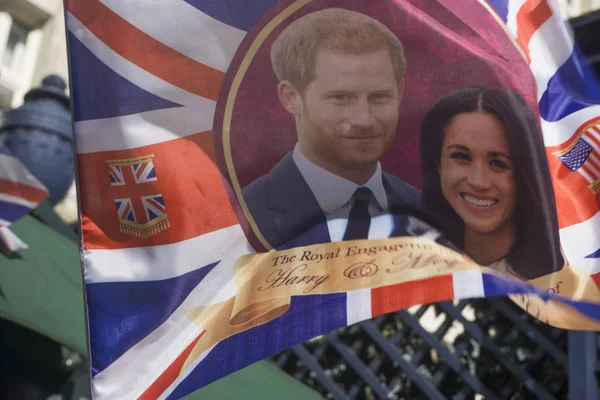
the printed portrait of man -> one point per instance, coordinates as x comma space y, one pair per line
341, 78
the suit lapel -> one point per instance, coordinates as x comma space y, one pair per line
298, 218
394, 199
398, 207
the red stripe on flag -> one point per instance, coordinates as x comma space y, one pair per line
191, 185
145, 51
575, 202
596, 279
530, 17
127, 209
589, 136
593, 166
22, 191
169, 375
587, 172
403, 295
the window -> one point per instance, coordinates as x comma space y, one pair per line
14, 51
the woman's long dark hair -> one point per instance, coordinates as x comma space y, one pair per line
536, 251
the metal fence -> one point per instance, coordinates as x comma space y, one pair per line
474, 349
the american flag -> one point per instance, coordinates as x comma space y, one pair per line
582, 156
20, 192
145, 78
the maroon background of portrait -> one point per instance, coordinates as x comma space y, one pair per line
448, 44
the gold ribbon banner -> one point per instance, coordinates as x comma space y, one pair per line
570, 282
266, 282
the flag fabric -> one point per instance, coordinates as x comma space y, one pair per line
580, 158
163, 233
20, 192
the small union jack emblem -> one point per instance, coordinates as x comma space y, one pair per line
582, 154
141, 212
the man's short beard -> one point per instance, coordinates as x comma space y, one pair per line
331, 151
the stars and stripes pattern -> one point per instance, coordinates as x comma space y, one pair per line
155, 92
582, 156
576, 157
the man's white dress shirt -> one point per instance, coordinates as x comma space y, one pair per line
334, 195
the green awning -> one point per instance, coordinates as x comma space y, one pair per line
42, 290
262, 381
42, 285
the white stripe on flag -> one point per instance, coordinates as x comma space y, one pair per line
593, 134
585, 173
594, 173
130, 375
591, 142
511, 18
595, 160
184, 374
167, 261
183, 28
589, 265
549, 47
154, 353
556, 133
12, 169
150, 127
11, 241
358, 306
467, 284
130, 71
17, 200
581, 240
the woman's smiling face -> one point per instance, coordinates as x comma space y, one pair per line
476, 172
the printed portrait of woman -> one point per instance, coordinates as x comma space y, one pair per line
486, 179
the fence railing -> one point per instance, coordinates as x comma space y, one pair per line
474, 349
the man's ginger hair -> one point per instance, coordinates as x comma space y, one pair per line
294, 53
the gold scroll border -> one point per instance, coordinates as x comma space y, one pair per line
252, 306
241, 72
235, 85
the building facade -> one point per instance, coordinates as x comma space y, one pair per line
575, 8
32, 46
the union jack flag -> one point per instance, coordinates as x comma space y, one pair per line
143, 172
153, 205
151, 217
20, 192
116, 176
146, 77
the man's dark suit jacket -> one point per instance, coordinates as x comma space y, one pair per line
288, 214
